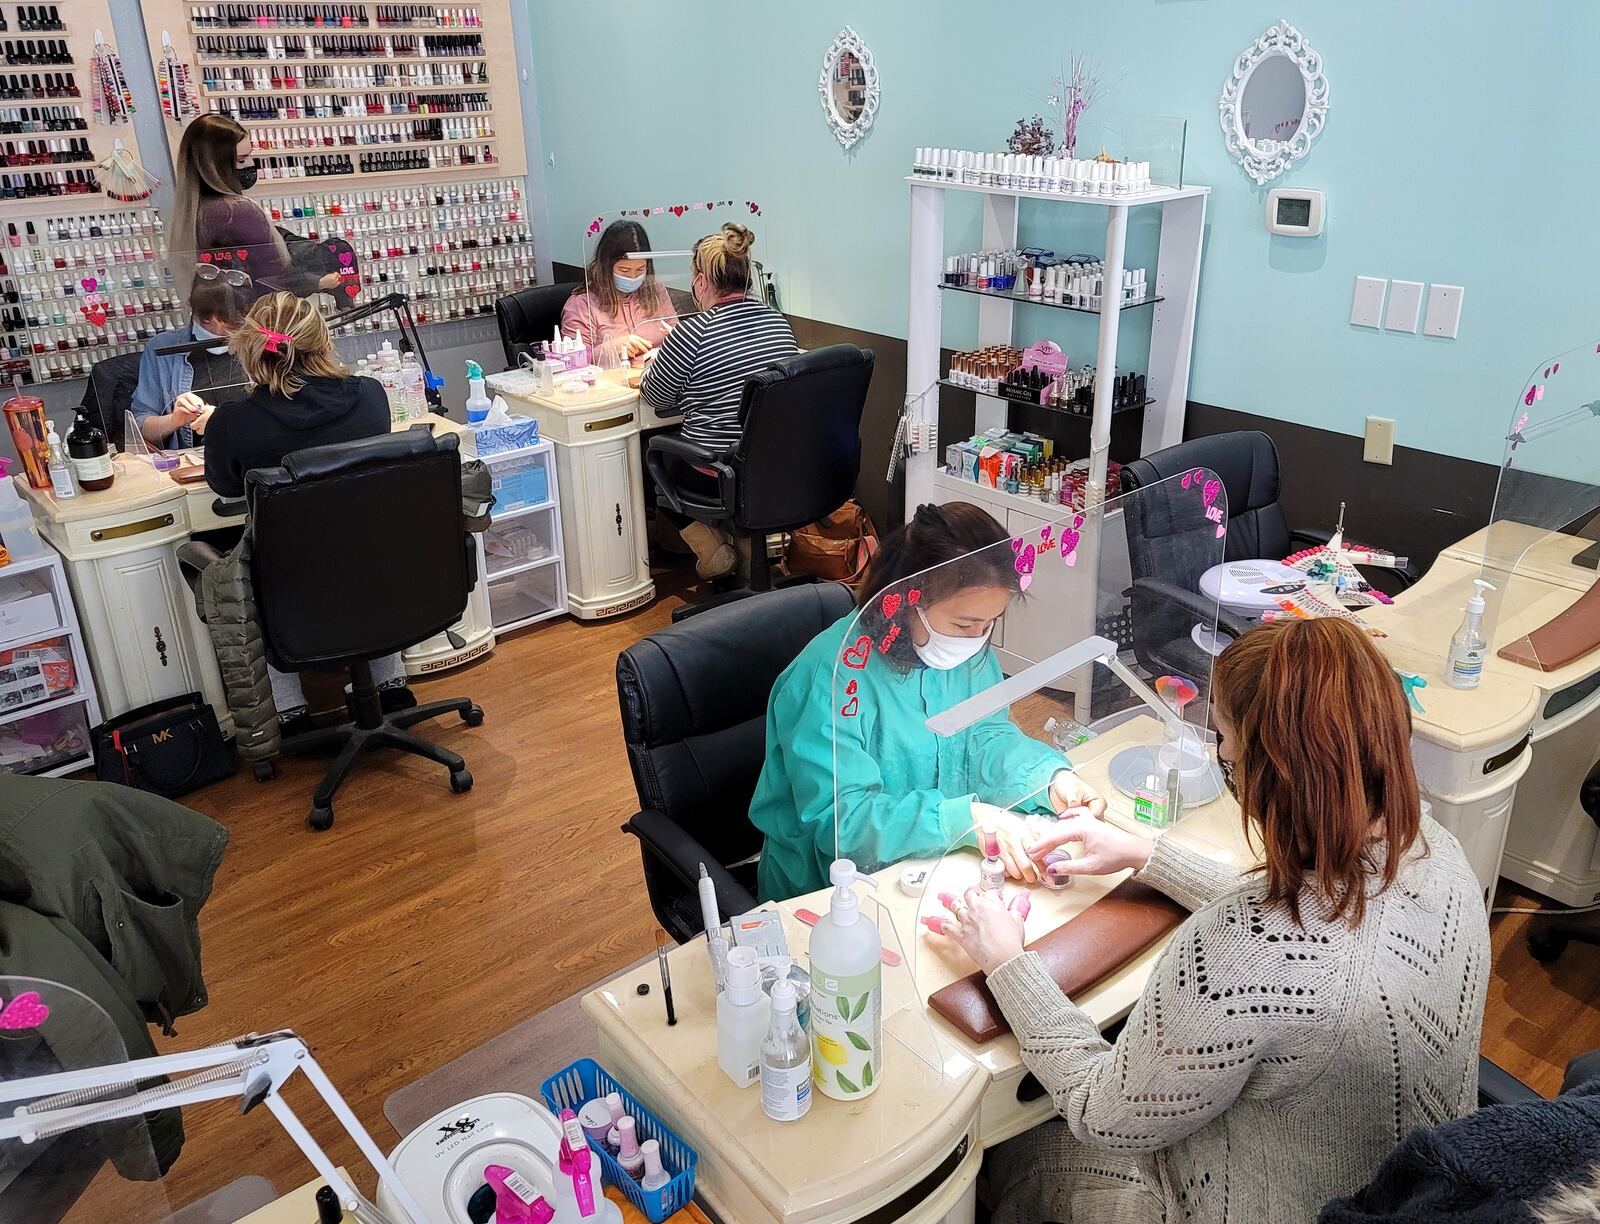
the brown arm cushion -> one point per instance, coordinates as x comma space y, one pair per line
1569, 636
1077, 954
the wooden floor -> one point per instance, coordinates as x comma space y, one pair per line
424, 922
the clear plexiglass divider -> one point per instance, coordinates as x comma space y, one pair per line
1541, 604
937, 751
89, 1173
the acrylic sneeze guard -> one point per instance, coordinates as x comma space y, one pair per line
1543, 541
925, 758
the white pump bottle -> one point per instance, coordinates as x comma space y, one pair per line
1468, 646
846, 993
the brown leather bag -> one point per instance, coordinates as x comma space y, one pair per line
1078, 954
837, 549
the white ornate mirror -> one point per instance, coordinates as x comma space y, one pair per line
1274, 103
849, 87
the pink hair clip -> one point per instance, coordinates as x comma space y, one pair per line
275, 338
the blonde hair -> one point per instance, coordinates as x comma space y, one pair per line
1572, 1202
723, 259
282, 342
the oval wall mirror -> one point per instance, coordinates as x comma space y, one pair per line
1274, 103
849, 87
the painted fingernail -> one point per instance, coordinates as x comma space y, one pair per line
935, 924
948, 900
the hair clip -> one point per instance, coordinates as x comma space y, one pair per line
275, 338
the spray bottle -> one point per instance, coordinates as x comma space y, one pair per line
846, 993
478, 403
576, 1191
1468, 646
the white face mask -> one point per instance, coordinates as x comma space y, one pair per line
942, 651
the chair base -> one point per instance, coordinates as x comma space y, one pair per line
1548, 938
350, 740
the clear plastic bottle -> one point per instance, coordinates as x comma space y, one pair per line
412, 393
388, 374
60, 468
785, 1059
742, 1015
1469, 645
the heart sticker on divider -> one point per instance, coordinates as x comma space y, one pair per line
856, 656
96, 313
352, 290
25, 1011
850, 689
912, 597
891, 603
888, 639
346, 259
1209, 493
90, 284
848, 710
1024, 566
1069, 540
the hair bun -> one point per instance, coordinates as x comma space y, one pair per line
737, 238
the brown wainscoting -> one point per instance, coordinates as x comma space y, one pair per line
1420, 505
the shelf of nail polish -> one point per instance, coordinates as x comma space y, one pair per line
347, 108
1008, 296
146, 222
38, 86
232, 82
497, 200
206, 17
1081, 176
1023, 475
390, 48
35, 19
421, 132
62, 151
33, 120
34, 52
433, 157
1039, 277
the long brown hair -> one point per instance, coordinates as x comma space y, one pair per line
1322, 762
206, 176
619, 239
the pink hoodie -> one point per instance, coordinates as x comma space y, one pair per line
594, 324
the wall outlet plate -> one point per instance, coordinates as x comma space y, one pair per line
1380, 441
1367, 309
1405, 306
1444, 311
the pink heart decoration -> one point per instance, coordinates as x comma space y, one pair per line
850, 689
333, 248
891, 603
1016, 544
90, 284
1209, 493
1024, 566
1044, 535
24, 1012
678, 210
856, 656
346, 259
351, 290
1533, 393
912, 597
848, 710
1556, 369
1222, 530
1547, 371
594, 226
1069, 540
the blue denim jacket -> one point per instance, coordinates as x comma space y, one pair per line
162, 379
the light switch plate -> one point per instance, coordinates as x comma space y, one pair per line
1367, 311
1380, 441
1444, 311
1405, 305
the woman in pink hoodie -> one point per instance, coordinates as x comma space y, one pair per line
623, 311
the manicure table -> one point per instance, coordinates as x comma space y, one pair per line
911, 1151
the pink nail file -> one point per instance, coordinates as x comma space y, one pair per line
811, 918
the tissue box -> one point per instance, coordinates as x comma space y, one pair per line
514, 435
26, 606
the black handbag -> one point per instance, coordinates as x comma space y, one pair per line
169, 747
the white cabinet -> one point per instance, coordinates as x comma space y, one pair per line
46, 707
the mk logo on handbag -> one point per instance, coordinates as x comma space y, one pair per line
161, 737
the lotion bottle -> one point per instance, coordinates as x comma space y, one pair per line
846, 993
742, 1015
1468, 646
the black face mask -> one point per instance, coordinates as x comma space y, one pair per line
247, 177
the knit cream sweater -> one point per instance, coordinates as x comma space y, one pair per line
1268, 1067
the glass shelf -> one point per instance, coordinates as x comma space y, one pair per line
1027, 301
955, 386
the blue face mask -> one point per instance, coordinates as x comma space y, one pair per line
627, 284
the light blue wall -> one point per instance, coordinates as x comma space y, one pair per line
1461, 148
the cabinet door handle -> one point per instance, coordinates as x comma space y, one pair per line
619, 518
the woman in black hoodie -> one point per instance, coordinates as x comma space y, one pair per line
302, 395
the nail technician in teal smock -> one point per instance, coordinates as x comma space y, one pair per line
903, 792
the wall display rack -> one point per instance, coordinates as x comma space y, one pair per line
362, 92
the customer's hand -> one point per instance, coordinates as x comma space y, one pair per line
1068, 791
1014, 837
636, 346
1105, 849
987, 925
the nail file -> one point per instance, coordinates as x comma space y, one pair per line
890, 957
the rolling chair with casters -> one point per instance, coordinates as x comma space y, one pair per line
394, 570
796, 461
529, 316
694, 713
1548, 937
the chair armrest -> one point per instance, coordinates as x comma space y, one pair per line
681, 854
230, 507
664, 451
1497, 1086
193, 558
1190, 603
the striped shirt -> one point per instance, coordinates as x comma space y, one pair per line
701, 367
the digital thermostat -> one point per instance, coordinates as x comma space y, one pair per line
1294, 211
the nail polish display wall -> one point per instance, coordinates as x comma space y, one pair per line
453, 246
80, 287
368, 93
51, 138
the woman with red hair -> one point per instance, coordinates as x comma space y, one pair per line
1305, 1017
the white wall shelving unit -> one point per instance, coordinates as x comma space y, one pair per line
1183, 211
82, 702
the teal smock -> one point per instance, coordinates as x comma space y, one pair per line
904, 792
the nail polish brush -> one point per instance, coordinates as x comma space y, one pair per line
666, 975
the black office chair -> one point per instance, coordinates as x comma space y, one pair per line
359, 551
694, 711
1548, 937
530, 315
796, 461
108, 395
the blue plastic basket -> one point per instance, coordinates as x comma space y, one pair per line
585, 1080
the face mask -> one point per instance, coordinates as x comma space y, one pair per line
942, 651
627, 284
247, 177
201, 333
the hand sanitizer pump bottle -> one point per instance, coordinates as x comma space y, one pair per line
846, 993
1468, 646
